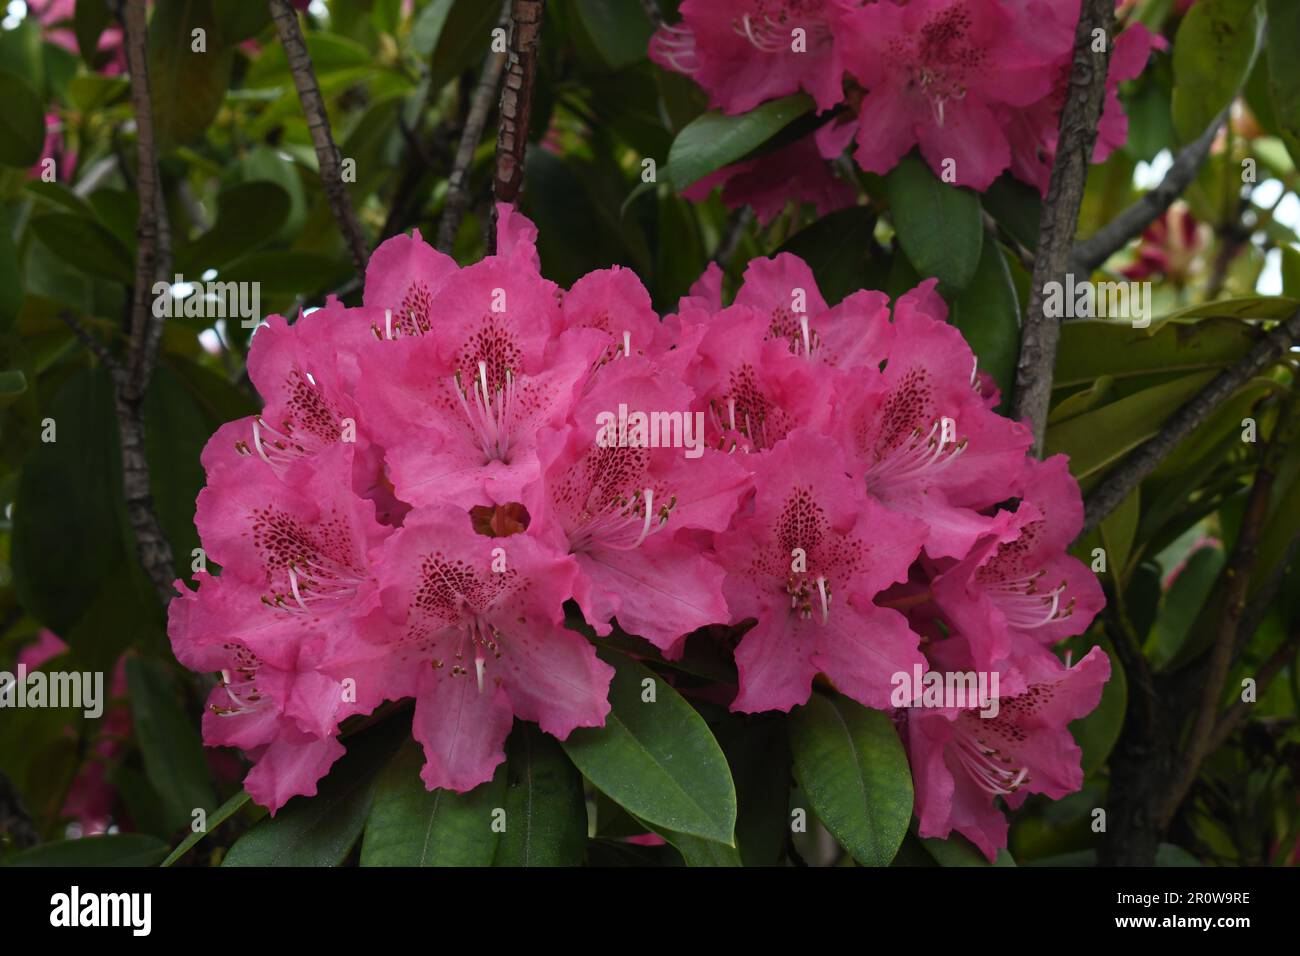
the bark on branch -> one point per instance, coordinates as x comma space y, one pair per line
485, 94
1092, 252
1060, 218
516, 101
313, 107
1143, 460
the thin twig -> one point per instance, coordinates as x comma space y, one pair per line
485, 94
995, 231
1144, 459
1132, 222
516, 103
313, 107
740, 221
1234, 715
152, 261
1060, 218
1236, 577
96, 347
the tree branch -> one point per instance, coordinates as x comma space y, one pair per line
485, 94
1235, 714
516, 102
1092, 252
1143, 460
1236, 585
313, 107
1060, 219
153, 259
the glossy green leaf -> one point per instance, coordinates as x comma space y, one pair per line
321, 830
939, 226
113, 850
656, 757
186, 85
248, 215
1092, 348
1284, 72
988, 315
215, 819
1213, 53
837, 248
22, 122
169, 742
714, 140
86, 245
546, 814
410, 825
850, 763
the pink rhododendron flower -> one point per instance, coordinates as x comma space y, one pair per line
473, 628
746, 51
768, 183
434, 474
805, 558
962, 761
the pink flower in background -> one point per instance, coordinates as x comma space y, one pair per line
1169, 246
56, 16
936, 73
962, 761
768, 183
746, 51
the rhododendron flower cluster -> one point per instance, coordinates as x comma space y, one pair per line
437, 472
977, 85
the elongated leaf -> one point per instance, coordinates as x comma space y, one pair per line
657, 758
714, 140
86, 245
22, 122
321, 830
1093, 348
958, 851
621, 31
850, 763
410, 825
988, 314
939, 225
1284, 71
169, 741
836, 248
215, 819
248, 215
546, 815
66, 533
1101, 437
1213, 53
186, 85
120, 849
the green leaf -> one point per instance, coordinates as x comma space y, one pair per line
427, 28
714, 140
545, 810
939, 226
120, 849
215, 819
1182, 605
1097, 732
410, 825
22, 123
837, 248
656, 757
1284, 72
988, 315
88, 22
699, 852
186, 86
169, 742
11, 282
237, 22
1092, 348
1213, 52
288, 272
321, 830
462, 40
65, 524
850, 763
1097, 439
956, 850
85, 244
621, 31
248, 215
